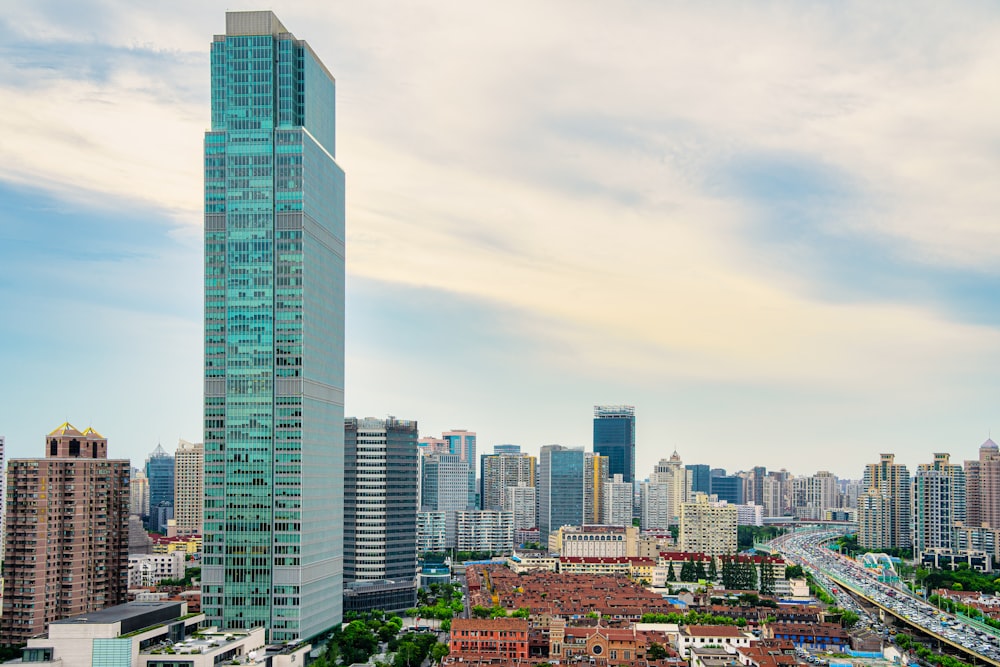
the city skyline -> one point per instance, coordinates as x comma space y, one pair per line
770, 230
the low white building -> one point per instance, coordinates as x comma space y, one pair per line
153, 634
150, 569
728, 637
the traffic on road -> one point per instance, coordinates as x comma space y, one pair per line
833, 572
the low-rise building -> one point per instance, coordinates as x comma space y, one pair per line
502, 638
710, 656
523, 561
186, 544
112, 637
635, 568
151, 569
822, 636
152, 634
602, 645
700, 636
595, 541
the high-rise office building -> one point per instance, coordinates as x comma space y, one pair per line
938, 503
274, 336
160, 473
428, 445
67, 527
498, 471
463, 443
756, 490
560, 489
982, 479
595, 469
884, 507
701, 478
444, 487
617, 502
728, 488
614, 437
189, 487
506, 449
443, 483
380, 514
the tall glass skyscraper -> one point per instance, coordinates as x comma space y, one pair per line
274, 336
614, 437
160, 473
561, 481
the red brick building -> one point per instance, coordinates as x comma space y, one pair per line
504, 638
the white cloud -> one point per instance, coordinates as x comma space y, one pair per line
564, 159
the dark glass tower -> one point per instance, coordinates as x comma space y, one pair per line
701, 478
614, 437
160, 473
560, 489
274, 336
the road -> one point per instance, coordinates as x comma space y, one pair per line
836, 572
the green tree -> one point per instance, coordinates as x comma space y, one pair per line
439, 651
656, 652
408, 655
356, 642
713, 572
670, 573
848, 618
699, 570
480, 611
728, 573
688, 570
766, 577
522, 612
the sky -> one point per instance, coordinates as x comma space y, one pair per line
772, 227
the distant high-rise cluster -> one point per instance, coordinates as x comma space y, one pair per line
301, 513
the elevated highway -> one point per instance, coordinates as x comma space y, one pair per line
884, 610
807, 548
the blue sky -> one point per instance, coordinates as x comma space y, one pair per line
771, 227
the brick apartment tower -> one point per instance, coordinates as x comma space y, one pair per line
67, 533
982, 479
